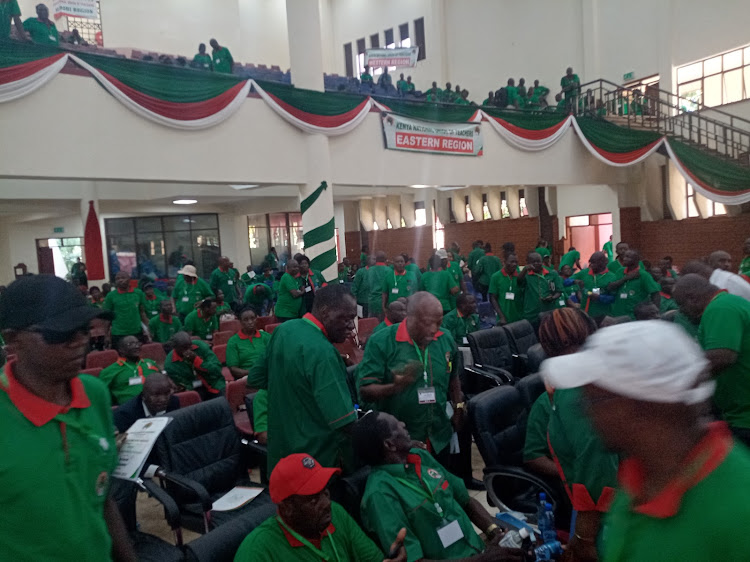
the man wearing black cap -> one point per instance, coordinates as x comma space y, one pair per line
58, 448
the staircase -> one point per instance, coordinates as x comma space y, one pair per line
724, 135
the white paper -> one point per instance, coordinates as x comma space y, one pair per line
134, 452
360, 311
236, 497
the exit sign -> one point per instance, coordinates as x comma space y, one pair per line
58, 229
628, 76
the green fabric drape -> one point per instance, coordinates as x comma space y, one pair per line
13, 53
525, 120
310, 101
612, 138
429, 111
711, 170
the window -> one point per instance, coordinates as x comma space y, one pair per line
504, 211
361, 55
692, 208
158, 246
388, 224
419, 37
390, 44
438, 230
522, 203
716, 80
349, 60
420, 215
62, 252
403, 31
715, 209
89, 29
469, 214
375, 40
486, 215
375, 225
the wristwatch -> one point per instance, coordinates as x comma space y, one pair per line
460, 405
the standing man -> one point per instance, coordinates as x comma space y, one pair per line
571, 86
125, 377
462, 320
453, 266
505, 294
224, 278
375, 277
223, 61
726, 280
572, 259
541, 288
401, 284
485, 268
272, 259
363, 256
165, 325
361, 287
477, 251
41, 28
439, 283
592, 283
724, 334
289, 301
153, 300
542, 248
10, 11
745, 263
189, 289
411, 371
617, 264
310, 405
129, 307
306, 282
454, 254
203, 60
633, 286
58, 438
607, 249
412, 266
193, 366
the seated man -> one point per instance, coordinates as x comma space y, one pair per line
193, 366
156, 399
408, 488
165, 325
394, 314
462, 320
308, 526
203, 321
646, 310
126, 376
153, 300
667, 302
366, 77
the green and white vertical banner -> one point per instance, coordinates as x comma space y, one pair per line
319, 234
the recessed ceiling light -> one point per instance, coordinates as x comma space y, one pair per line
185, 201
245, 186
420, 186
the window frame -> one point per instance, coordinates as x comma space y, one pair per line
743, 70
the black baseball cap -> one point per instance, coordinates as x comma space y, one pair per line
46, 302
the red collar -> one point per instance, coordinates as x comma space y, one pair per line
416, 460
545, 271
315, 542
162, 318
399, 274
176, 356
505, 273
387, 322
151, 298
665, 295
316, 322
591, 272
489, 254
380, 263
224, 270
632, 270
705, 457
130, 290
668, 273
402, 334
244, 336
35, 409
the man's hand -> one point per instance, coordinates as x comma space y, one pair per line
458, 419
418, 445
397, 553
405, 377
635, 274
502, 554
189, 356
120, 439
580, 551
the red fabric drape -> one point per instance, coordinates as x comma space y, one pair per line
92, 242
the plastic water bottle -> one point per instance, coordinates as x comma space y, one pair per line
541, 513
548, 551
549, 533
514, 539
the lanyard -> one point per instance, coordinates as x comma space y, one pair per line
308, 544
423, 492
424, 360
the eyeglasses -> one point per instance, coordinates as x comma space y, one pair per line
53, 337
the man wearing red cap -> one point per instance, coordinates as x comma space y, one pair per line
308, 526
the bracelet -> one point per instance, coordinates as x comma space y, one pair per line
580, 538
491, 529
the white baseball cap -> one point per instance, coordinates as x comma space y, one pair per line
189, 270
653, 361
442, 254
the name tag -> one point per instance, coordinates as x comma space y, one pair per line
197, 383
209, 337
132, 381
450, 533
218, 61
596, 291
230, 282
426, 395
341, 281
562, 302
510, 296
465, 340
52, 38
154, 312
394, 291
308, 289
623, 295
185, 299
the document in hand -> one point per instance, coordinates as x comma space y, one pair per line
141, 438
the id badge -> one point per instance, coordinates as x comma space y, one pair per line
154, 312
510, 296
623, 295
450, 533
596, 291
562, 302
197, 383
230, 282
308, 289
394, 291
209, 337
426, 395
132, 381
465, 340
185, 299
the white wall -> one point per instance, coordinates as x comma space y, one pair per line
574, 200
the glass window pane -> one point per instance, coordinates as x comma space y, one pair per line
732, 86
295, 227
151, 255
257, 220
178, 248
176, 222
148, 224
712, 90
420, 217
203, 221
72, 241
258, 240
691, 91
118, 226
719, 209
690, 72
692, 208
712, 66
206, 251
733, 60
578, 221
121, 254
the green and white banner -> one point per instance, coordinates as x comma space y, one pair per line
401, 133
376, 58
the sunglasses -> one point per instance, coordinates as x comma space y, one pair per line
53, 337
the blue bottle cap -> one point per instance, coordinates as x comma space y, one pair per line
548, 506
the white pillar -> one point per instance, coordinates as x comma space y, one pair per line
305, 43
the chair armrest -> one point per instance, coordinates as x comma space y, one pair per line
171, 511
190, 485
255, 446
507, 471
496, 374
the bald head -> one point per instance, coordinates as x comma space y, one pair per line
380, 256
371, 261
697, 267
720, 260
181, 341
396, 311
424, 315
598, 262
692, 293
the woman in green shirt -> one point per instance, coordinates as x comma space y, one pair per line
222, 307
203, 321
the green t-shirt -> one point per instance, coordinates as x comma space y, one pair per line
460, 326
186, 295
260, 411
361, 288
288, 306
633, 292
570, 259
745, 266
56, 472
384, 324
686, 324
486, 267
667, 303
508, 294
198, 325
127, 309
309, 401
592, 281
397, 497
543, 252
343, 540
272, 260
365, 77
152, 306
401, 85
701, 527
203, 61
439, 284
375, 277
398, 286
162, 331
614, 266
607, 249
535, 446
223, 60
205, 370
472, 259
243, 350
414, 268
512, 92
257, 293
125, 379
390, 350
40, 32
226, 282
573, 81
535, 287
8, 10
725, 324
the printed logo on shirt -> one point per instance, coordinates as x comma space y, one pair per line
101, 483
104, 444
434, 473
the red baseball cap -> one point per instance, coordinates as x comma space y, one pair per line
298, 475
